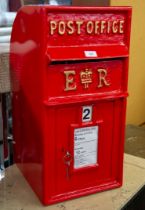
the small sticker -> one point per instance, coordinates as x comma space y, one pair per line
85, 146
90, 53
87, 114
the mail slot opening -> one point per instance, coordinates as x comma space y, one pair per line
71, 61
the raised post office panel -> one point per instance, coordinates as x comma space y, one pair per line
69, 70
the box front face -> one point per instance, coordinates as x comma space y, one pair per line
85, 115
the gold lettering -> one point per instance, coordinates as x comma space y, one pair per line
97, 27
70, 83
90, 27
121, 24
108, 27
52, 27
70, 27
102, 78
114, 27
79, 23
61, 27
102, 26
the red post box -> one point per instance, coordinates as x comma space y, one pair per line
69, 68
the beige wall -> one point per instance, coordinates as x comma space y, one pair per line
136, 100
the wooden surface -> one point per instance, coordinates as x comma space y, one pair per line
16, 194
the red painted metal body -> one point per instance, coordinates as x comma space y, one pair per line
64, 59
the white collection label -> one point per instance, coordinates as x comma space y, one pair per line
85, 146
90, 53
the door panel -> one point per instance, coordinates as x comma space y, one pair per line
67, 120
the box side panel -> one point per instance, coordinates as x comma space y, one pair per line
26, 75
